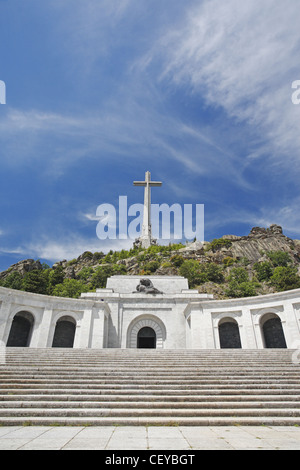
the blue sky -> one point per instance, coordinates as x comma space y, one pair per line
100, 91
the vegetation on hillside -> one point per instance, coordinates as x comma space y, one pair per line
210, 270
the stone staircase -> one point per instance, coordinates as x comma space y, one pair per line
149, 387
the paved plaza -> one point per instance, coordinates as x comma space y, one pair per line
150, 438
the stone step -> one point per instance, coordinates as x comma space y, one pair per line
187, 404
146, 412
22, 356
154, 392
133, 351
147, 360
193, 382
149, 387
224, 371
149, 371
195, 358
193, 378
151, 421
161, 385
169, 400
126, 355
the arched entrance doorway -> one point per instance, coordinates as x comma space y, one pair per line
64, 333
146, 329
229, 334
21, 330
146, 338
273, 334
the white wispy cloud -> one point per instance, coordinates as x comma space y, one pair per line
286, 215
240, 56
90, 216
127, 124
66, 249
133, 119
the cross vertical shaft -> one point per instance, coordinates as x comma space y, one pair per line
146, 236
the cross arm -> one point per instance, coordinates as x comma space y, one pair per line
143, 183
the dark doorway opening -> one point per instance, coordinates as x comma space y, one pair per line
273, 333
64, 333
146, 338
21, 330
229, 335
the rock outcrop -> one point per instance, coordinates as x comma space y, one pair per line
259, 241
22, 267
227, 252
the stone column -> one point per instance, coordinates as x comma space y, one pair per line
248, 337
83, 340
201, 331
43, 340
290, 326
4, 323
99, 328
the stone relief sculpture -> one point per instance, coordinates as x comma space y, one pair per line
145, 286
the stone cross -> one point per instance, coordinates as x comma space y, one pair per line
146, 237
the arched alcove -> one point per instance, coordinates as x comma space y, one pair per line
229, 334
21, 330
151, 322
272, 331
64, 333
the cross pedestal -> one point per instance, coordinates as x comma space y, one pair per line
146, 239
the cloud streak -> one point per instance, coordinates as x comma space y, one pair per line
69, 248
241, 57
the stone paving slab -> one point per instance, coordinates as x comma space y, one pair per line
177, 438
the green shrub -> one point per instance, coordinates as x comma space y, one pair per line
151, 266
72, 261
229, 261
98, 255
87, 255
35, 281
218, 243
239, 275
99, 277
85, 273
167, 264
55, 276
70, 288
13, 281
192, 270
198, 273
285, 278
213, 272
279, 258
264, 270
242, 289
176, 260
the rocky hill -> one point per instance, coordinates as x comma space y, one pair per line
232, 266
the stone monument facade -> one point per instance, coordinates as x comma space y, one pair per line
157, 312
